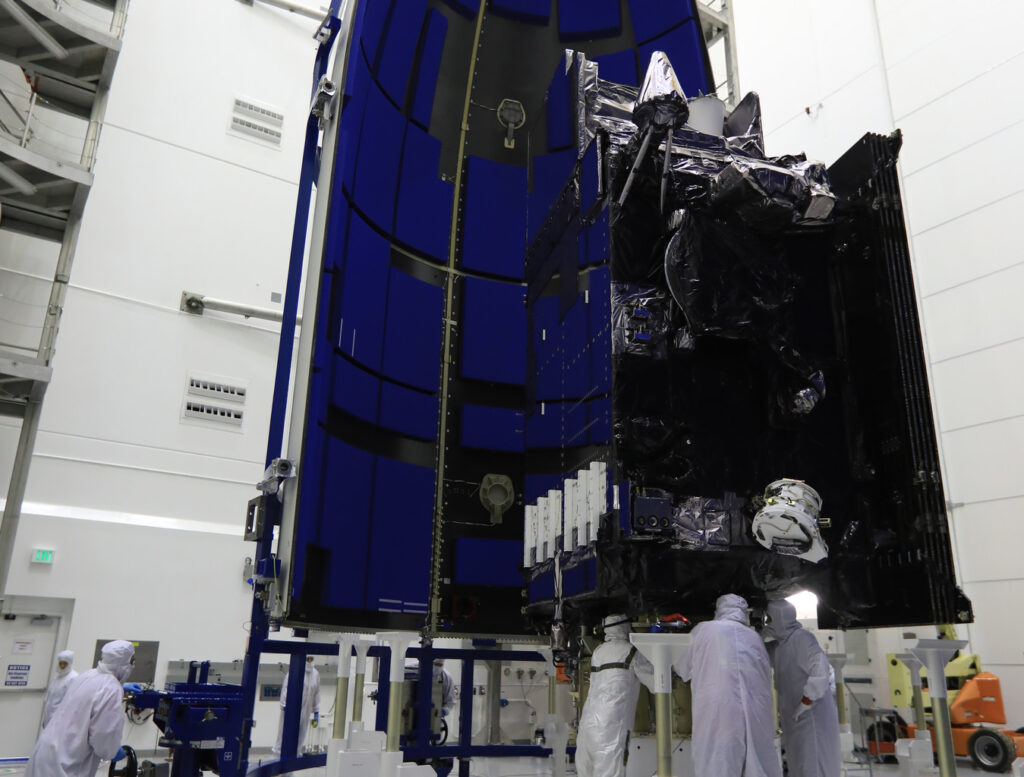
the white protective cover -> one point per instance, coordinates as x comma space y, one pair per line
610, 707
59, 685
733, 717
310, 704
811, 743
87, 725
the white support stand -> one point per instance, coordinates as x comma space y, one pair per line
935, 654
662, 650
345, 644
361, 753
846, 743
391, 760
362, 647
914, 665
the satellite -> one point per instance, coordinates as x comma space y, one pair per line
579, 345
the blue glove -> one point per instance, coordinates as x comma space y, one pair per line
444, 713
132, 688
316, 719
119, 756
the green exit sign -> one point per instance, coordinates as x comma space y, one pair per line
42, 556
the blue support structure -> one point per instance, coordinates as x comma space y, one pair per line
260, 624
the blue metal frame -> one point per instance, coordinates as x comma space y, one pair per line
259, 622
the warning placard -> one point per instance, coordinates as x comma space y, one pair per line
17, 675
23, 646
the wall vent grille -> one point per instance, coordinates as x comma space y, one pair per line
256, 130
260, 113
206, 411
203, 387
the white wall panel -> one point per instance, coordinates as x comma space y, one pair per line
95, 484
965, 181
960, 119
769, 63
979, 314
981, 387
184, 62
985, 462
836, 121
974, 245
907, 26
818, 56
181, 588
990, 536
120, 374
161, 220
965, 48
998, 633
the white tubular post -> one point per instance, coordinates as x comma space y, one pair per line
662, 650
935, 654
362, 647
345, 644
399, 642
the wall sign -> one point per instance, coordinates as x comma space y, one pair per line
17, 675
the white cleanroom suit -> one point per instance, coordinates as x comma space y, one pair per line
733, 711
615, 671
87, 724
310, 705
810, 732
59, 685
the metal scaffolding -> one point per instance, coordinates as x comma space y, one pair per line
67, 55
717, 24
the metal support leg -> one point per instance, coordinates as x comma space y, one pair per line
935, 654
552, 695
493, 702
340, 708
357, 698
838, 661
662, 650
640, 155
395, 715
362, 646
663, 732
293, 707
345, 645
914, 665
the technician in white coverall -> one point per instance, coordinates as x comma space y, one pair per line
733, 716
442, 676
310, 705
88, 723
59, 685
807, 709
615, 673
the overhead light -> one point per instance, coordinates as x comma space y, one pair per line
16, 180
22, 17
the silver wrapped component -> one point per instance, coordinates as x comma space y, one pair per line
788, 522
662, 102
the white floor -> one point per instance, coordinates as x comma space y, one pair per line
877, 770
